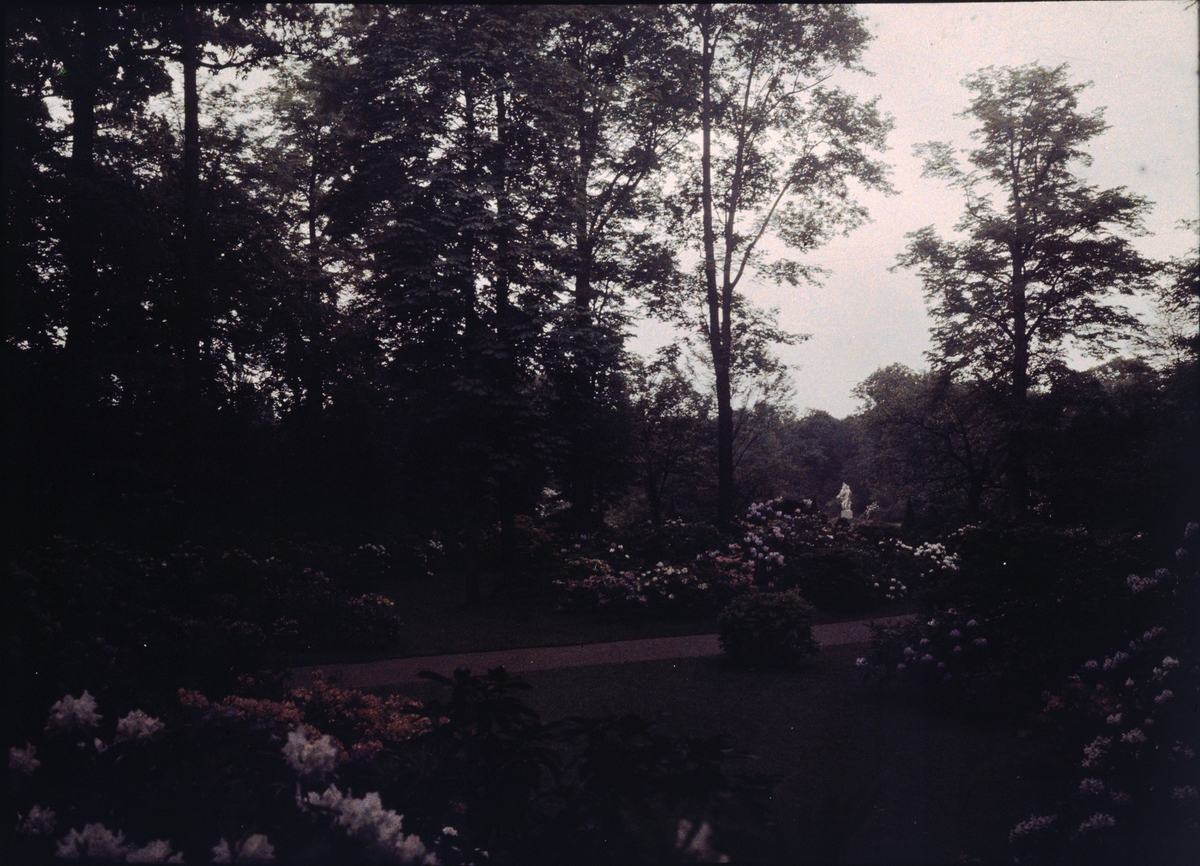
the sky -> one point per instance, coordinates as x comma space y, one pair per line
1141, 56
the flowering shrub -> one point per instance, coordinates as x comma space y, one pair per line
125, 624
439, 782
1130, 715
777, 547
767, 628
661, 588
1011, 612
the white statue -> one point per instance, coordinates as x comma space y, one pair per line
843, 499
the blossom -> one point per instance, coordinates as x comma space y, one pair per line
971, 623
1184, 792
955, 633
449, 831
957, 649
1099, 821
138, 726
1129, 683
1167, 663
158, 851
366, 819
256, 849
1119, 797
310, 757
1091, 664
1095, 750
1153, 633
1110, 663
1133, 736
924, 641
860, 662
979, 641
900, 666
1166, 695
1091, 786
1140, 584
23, 760
96, 842
697, 845
927, 658
39, 822
71, 713
1035, 824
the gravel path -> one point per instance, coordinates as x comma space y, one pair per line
391, 672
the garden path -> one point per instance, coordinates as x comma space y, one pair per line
394, 672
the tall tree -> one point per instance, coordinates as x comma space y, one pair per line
1043, 251
622, 99
779, 148
99, 60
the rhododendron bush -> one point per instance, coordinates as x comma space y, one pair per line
779, 545
1104, 662
335, 775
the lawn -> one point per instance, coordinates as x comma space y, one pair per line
866, 776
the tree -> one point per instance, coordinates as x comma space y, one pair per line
670, 420
621, 94
1042, 251
928, 436
778, 151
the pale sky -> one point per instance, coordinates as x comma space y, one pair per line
1141, 56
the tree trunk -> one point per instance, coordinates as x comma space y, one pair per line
80, 241
191, 309
1018, 467
719, 302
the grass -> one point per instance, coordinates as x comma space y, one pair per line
866, 776
437, 621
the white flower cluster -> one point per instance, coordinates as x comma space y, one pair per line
1110, 663
307, 757
1140, 584
1134, 735
1166, 695
1091, 786
937, 555
138, 726
1099, 821
1184, 792
71, 713
696, 845
256, 849
1035, 824
1095, 750
23, 760
39, 822
97, 842
365, 818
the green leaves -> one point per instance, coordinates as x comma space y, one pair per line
1043, 251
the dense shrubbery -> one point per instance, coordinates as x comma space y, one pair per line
780, 545
773, 629
1128, 719
1041, 598
1065, 628
476, 775
131, 625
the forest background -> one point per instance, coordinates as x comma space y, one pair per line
392, 290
